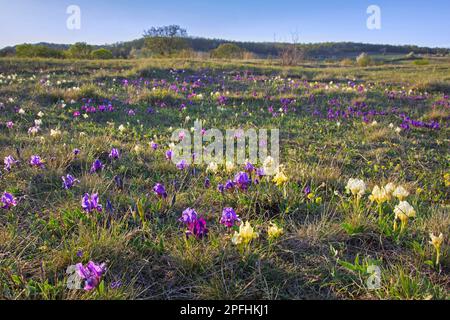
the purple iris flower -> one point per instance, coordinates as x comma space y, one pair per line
154, 146
169, 154
182, 165
197, 228
114, 154
36, 161
229, 217
76, 152
189, 216
229, 185
7, 201
9, 161
207, 183
91, 274
249, 167
90, 203
160, 191
242, 181
260, 172
69, 181
307, 190
96, 166
10, 124
221, 188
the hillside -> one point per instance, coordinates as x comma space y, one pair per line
326, 50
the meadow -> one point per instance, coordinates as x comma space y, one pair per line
362, 195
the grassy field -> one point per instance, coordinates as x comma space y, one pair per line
381, 124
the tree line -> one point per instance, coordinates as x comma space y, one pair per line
169, 41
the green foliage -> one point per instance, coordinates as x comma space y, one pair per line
166, 41
228, 51
364, 60
80, 50
102, 54
32, 51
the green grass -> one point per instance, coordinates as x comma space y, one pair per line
328, 241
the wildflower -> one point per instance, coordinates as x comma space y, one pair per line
400, 193
249, 167
197, 228
160, 191
280, 178
245, 235
76, 152
7, 201
390, 187
229, 186
274, 231
122, 128
9, 161
196, 225
69, 181
182, 165
55, 133
307, 191
447, 179
356, 187
403, 211
96, 166
229, 166
269, 165
36, 161
91, 274
188, 216
379, 195
114, 154
212, 167
33, 130
207, 183
90, 203
242, 181
221, 188
229, 217
437, 243
169, 154
10, 124
260, 173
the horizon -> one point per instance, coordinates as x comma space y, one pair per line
109, 22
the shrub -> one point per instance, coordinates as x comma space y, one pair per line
102, 54
31, 51
364, 60
80, 50
227, 51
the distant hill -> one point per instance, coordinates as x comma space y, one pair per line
327, 50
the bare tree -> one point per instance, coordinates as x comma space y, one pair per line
291, 53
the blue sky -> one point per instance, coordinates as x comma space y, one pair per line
423, 22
